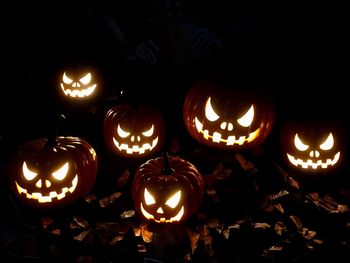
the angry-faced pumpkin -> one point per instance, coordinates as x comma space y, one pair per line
167, 190
225, 117
49, 174
313, 146
133, 131
79, 83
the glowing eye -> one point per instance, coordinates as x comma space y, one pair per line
247, 119
61, 173
122, 133
66, 79
209, 111
149, 132
86, 79
149, 199
28, 174
299, 144
174, 200
328, 143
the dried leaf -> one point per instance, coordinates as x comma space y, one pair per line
278, 195
275, 248
56, 231
279, 208
127, 214
90, 198
234, 226
214, 223
80, 221
280, 228
343, 208
203, 230
226, 233
313, 196
330, 200
261, 225
318, 241
246, 165
141, 248
116, 239
109, 227
292, 182
297, 221
82, 235
146, 234
307, 234
46, 221
194, 237
109, 200
137, 231
123, 179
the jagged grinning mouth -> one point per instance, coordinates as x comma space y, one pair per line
230, 140
314, 165
78, 92
135, 148
163, 220
48, 198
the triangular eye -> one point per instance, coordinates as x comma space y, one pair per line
174, 200
122, 133
28, 174
149, 199
61, 172
86, 79
209, 111
328, 143
149, 132
66, 79
299, 144
247, 119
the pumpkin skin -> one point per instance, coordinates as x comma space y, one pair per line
167, 198
46, 175
133, 131
227, 118
79, 83
313, 146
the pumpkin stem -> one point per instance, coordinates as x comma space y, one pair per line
167, 169
51, 141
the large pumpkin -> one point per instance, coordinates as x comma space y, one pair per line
133, 131
313, 146
227, 118
49, 174
167, 190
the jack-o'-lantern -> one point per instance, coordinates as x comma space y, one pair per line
80, 82
52, 173
133, 131
313, 146
167, 189
227, 118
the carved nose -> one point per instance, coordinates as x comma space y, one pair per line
226, 126
314, 154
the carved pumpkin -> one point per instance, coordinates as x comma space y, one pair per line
80, 83
227, 118
167, 190
48, 174
313, 146
133, 131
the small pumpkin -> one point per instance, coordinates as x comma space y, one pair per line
133, 130
80, 82
313, 146
227, 118
167, 189
50, 173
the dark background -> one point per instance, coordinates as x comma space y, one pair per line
296, 50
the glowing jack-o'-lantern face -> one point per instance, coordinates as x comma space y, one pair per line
133, 132
82, 83
226, 119
315, 147
167, 197
50, 176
